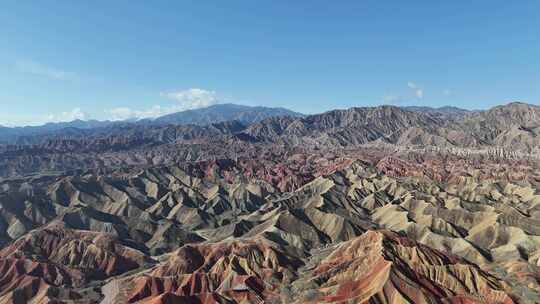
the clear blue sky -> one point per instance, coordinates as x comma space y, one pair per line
116, 59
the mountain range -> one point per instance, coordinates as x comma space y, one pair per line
224, 112
212, 114
232, 204
506, 131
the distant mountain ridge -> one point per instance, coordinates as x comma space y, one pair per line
444, 112
7, 133
514, 127
508, 131
204, 116
224, 112
361, 205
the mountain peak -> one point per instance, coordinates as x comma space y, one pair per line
516, 106
224, 112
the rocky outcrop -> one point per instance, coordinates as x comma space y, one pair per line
295, 212
382, 267
506, 131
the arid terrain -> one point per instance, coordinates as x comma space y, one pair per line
364, 205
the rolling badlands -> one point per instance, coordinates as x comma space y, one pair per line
364, 205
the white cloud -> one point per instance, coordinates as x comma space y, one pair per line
447, 92
392, 99
37, 120
75, 114
34, 68
418, 91
193, 98
123, 113
185, 100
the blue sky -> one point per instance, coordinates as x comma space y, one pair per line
116, 59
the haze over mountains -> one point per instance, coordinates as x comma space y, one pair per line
510, 130
235, 204
212, 114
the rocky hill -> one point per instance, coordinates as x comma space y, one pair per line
83, 128
363, 205
288, 232
512, 130
224, 112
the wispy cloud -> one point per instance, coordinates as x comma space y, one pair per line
38, 69
412, 85
75, 114
403, 97
189, 99
447, 92
183, 100
123, 113
418, 91
193, 98
392, 99
40, 119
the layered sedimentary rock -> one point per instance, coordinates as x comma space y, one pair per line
379, 205
218, 232
382, 267
509, 131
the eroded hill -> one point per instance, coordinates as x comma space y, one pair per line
355, 229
